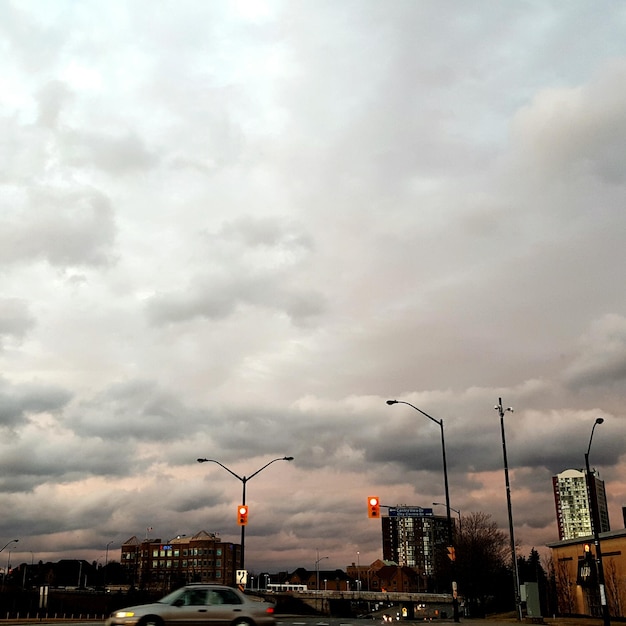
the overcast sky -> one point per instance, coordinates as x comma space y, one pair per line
234, 229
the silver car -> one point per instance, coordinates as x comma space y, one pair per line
198, 605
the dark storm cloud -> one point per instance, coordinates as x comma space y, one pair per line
602, 358
136, 410
20, 401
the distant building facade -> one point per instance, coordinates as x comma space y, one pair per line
329, 580
576, 574
204, 557
572, 504
416, 538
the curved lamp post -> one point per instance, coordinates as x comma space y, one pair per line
317, 570
106, 563
452, 509
518, 600
455, 603
9, 542
595, 525
7, 570
244, 480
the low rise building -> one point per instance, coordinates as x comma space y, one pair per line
204, 557
577, 577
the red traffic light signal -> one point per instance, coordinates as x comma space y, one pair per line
242, 515
451, 553
373, 506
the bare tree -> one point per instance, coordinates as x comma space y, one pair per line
614, 588
565, 588
481, 562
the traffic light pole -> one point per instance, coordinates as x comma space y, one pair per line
244, 480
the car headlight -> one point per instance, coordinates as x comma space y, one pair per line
123, 614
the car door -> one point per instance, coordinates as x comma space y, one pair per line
224, 605
190, 609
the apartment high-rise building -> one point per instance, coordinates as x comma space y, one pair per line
414, 537
572, 504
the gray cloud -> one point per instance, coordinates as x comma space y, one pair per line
19, 401
602, 358
15, 318
64, 227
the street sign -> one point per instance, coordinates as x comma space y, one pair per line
409, 511
242, 576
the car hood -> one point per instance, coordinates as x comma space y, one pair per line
142, 609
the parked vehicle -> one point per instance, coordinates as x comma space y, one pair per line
210, 605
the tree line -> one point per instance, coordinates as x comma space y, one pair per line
483, 569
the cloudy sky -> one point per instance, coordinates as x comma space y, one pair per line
233, 229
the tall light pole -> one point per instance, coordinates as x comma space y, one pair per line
455, 603
106, 562
592, 498
244, 480
317, 570
7, 571
518, 602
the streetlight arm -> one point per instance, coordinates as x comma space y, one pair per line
430, 417
222, 465
599, 420
12, 541
282, 458
451, 508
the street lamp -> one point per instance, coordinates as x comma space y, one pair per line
7, 570
5, 545
455, 604
317, 571
452, 509
244, 480
595, 525
518, 603
106, 562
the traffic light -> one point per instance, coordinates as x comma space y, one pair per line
242, 515
373, 506
451, 553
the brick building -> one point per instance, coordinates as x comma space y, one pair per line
153, 563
